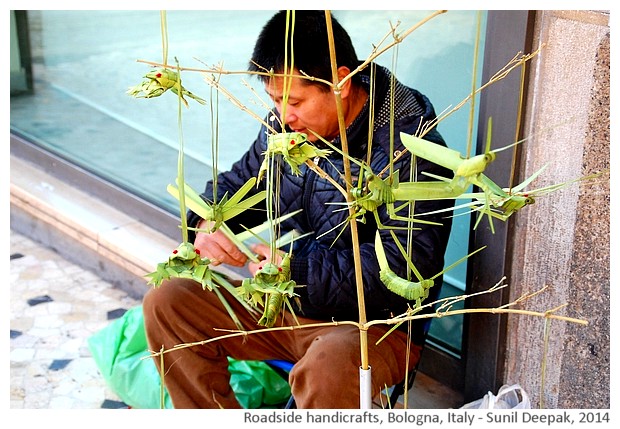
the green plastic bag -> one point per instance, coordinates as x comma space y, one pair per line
120, 351
256, 384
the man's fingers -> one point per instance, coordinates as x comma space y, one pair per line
220, 250
235, 256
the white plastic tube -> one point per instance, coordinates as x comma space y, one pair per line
365, 389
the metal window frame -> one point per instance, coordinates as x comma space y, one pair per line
23, 45
508, 32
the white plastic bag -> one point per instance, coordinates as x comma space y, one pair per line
508, 397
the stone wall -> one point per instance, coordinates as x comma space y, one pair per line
562, 241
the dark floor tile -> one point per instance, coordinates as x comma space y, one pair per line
109, 404
40, 300
59, 364
115, 314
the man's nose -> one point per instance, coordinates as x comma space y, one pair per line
290, 117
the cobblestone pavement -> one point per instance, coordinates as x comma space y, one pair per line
55, 306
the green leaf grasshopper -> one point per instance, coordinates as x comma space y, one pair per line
371, 192
493, 201
467, 172
159, 81
501, 203
294, 149
377, 191
270, 288
185, 262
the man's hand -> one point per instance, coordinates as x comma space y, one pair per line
264, 255
217, 247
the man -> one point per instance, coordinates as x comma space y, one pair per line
327, 359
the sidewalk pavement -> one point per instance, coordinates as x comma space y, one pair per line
55, 306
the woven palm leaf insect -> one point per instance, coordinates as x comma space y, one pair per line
493, 201
467, 171
275, 301
159, 81
372, 192
184, 262
365, 199
501, 203
387, 191
410, 290
271, 287
294, 148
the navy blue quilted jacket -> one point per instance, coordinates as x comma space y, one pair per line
322, 269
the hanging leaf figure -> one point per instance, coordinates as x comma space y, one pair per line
294, 149
270, 288
159, 81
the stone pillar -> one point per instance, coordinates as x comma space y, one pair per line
562, 241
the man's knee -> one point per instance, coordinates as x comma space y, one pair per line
154, 298
169, 291
160, 302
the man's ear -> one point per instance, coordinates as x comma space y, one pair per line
343, 71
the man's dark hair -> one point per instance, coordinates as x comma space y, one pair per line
309, 43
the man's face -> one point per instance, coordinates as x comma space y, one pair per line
308, 107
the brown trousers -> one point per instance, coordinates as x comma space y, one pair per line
327, 359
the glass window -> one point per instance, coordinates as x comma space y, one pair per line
83, 62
